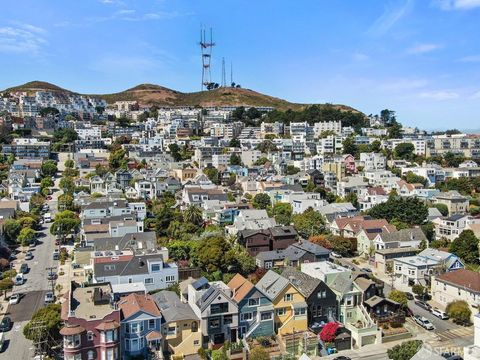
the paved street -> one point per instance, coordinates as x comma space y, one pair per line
33, 291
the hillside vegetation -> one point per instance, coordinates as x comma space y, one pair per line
150, 94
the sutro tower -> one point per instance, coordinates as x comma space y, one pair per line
206, 48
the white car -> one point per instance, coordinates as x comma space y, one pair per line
440, 314
14, 299
335, 255
19, 279
424, 322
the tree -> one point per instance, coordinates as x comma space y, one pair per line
50, 318
453, 160
261, 201
234, 142
349, 146
65, 222
65, 135
329, 331
399, 297
418, 289
410, 210
404, 351
211, 254
459, 311
70, 164
282, 212
321, 240
46, 182
67, 185
465, 246
11, 229
258, 353
292, 170
442, 208
26, 236
341, 245
412, 178
49, 168
266, 146
440, 243
175, 152
212, 174
193, 214
238, 113
261, 161
252, 113
308, 224
235, 160
404, 151
118, 159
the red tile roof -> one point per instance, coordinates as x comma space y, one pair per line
134, 303
463, 278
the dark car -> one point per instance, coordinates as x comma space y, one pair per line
423, 305
409, 296
51, 275
24, 268
366, 270
6, 324
342, 357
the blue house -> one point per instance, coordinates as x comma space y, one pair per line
140, 325
255, 310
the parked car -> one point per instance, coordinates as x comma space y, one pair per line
342, 357
366, 270
424, 322
14, 299
409, 296
49, 297
51, 275
440, 314
32, 244
423, 305
335, 255
5, 324
24, 268
28, 255
19, 279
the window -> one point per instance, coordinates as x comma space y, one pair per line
253, 302
322, 294
90, 335
246, 316
171, 330
281, 311
151, 324
214, 323
71, 341
268, 265
136, 327
288, 297
109, 267
127, 344
266, 316
227, 319
110, 336
134, 345
194, 326
156, 267
196, 342
170, 278
218, 308
148, 281
91, 355
300, 311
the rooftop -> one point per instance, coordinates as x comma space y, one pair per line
92, 302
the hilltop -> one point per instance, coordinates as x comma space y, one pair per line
151, 94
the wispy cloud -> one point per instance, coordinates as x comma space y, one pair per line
133, 15
471, 58
423, 48
439, 95
457, 4
22, 38
391, 16
358, 56
475, 95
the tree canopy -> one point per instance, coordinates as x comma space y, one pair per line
261, 201
465, 246
308, 224
404, 351
408, 210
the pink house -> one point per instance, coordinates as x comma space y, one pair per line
349, 161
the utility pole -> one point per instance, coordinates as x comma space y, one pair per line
38, 330
52, 281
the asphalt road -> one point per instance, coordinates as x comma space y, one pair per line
32, 293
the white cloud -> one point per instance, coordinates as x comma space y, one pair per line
22, 38
471, 58
457, 4
423, 48
360, 56
439, 95
390, 17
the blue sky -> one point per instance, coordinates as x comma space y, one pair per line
418, 57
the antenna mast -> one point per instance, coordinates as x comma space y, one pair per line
206, 49
224, 78
231, 73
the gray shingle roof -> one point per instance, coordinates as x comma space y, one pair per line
272, 284
304, 283
172, 308
404, 235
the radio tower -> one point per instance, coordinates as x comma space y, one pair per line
206, 48
224, 78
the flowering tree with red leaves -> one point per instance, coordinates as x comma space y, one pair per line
329, 332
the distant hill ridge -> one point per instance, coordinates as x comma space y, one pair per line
151, 94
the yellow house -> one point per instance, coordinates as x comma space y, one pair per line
290, 306
180, 328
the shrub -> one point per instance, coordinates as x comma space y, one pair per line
404, 351
459, 311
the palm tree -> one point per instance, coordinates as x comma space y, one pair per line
193, 214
